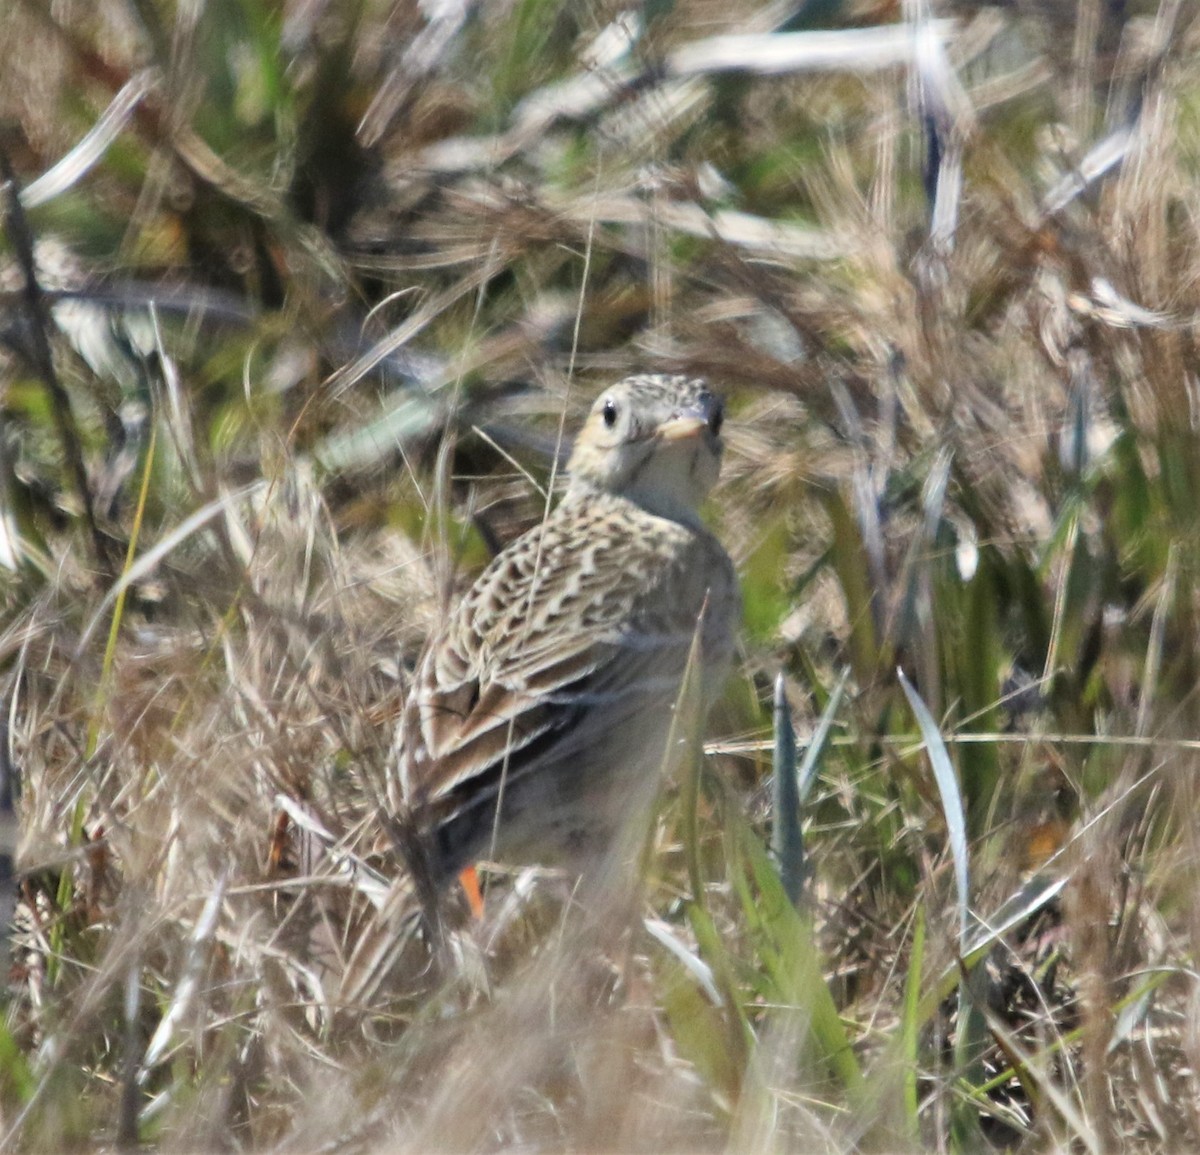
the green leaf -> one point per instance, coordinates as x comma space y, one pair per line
16, 1079
850, 565
952, 805
792, 785
793, 964
787, 837
767, 600
910, 1025
699, 1032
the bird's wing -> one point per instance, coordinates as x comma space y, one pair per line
577, 627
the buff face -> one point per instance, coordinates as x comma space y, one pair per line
655, 440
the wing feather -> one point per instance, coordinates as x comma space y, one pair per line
557, 648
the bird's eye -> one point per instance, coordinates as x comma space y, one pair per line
717, 419
609, 413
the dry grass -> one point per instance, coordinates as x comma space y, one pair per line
391, 257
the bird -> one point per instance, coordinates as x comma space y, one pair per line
538, 720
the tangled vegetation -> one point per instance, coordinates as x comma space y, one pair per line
300, 305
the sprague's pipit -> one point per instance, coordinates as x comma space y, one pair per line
537, 725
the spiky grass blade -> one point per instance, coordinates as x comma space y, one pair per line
952, 803
792, 784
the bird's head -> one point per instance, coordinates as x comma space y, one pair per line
654, 439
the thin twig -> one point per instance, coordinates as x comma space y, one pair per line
38, 318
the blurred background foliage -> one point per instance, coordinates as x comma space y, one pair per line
300, 303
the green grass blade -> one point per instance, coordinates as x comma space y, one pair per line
787, 837
952, 803
910, 1025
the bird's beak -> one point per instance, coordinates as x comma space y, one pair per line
691, 421
681, 426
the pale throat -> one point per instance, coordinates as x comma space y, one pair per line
670, 484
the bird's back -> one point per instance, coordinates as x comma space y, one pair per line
550, 689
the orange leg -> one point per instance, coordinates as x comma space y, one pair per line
469, 881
